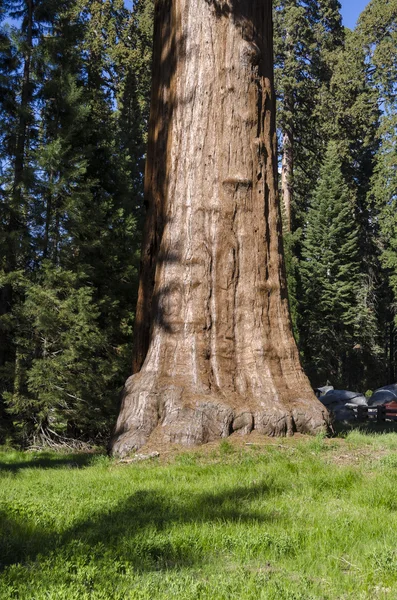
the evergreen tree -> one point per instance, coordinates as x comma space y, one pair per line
8, 66
19, 131
307, 34
352, 109
377, 28
59, 163
351, 116
74, 109
384, 192
73, 339
332, 317
8, 105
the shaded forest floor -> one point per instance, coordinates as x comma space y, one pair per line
247, 519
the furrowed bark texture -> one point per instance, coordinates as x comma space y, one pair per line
213, 330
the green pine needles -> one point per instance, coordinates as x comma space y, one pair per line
75, 83
76, 79
330, 273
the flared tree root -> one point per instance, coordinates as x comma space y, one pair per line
171, 413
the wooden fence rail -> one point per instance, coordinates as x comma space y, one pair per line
378, 414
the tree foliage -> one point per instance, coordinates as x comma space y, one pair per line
75, 82
337, 319
333, 86
70, 218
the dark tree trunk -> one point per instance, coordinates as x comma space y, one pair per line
26, 96
213, 338
16, 227
392, 352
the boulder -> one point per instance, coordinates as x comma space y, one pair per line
330, 401
359, 400
335, 397
342, 414
321, 391
343, 395
389, 388
381, 397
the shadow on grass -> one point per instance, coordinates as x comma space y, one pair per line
49, 461
136, 531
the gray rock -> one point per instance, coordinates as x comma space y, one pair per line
359, 401
343, 395
381, 397
330, 401
342, 414
321, 391
389, 388
336, 397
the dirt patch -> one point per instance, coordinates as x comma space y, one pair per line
168, 452
338, 451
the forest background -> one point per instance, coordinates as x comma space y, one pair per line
74, 100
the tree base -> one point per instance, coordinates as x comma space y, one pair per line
170, 412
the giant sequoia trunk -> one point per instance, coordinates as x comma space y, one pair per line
213, 341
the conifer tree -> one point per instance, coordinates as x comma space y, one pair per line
307, 33
330, 275
73, 340
377, 28
19, 130
8, 104
351, 110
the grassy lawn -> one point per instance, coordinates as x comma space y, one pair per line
278, 520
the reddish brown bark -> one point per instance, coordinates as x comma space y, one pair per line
213, 338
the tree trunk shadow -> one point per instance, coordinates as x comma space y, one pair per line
124, 526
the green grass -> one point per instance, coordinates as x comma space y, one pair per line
300, 519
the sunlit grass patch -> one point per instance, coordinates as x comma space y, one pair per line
275, 521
